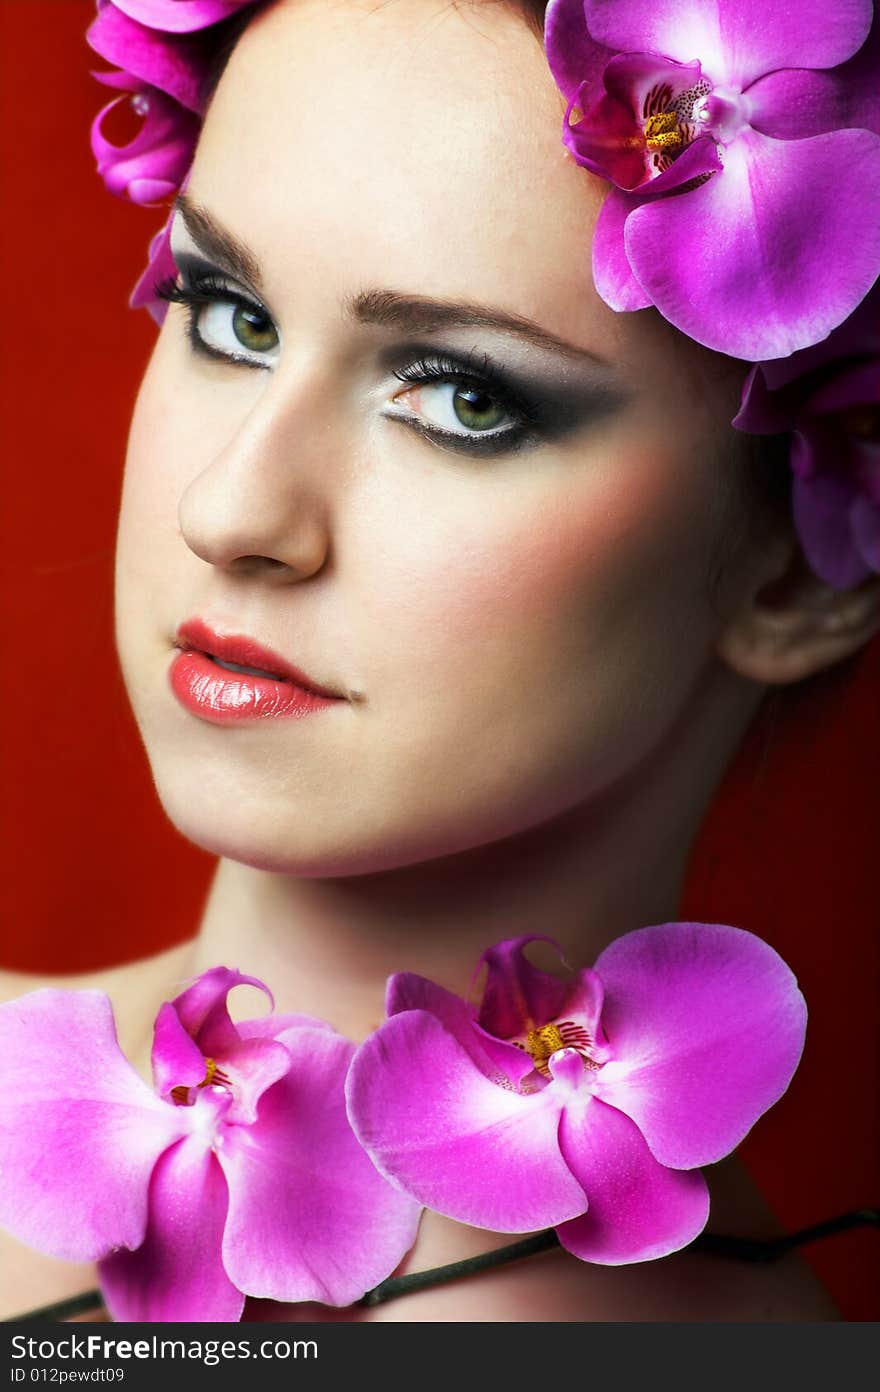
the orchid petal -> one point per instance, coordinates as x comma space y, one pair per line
180, 16
794, 103
612, 273
177, 1273
574, 57
735, 42
250, 1066
608, 142
497, 1059
438, 1128
751, 214
177, 67
75, 1120
707, 1026
300, 1228
762, 412
797, 103
177, 1060
121, 81
517, 996
160, 266
157, 157
638, 1209
821, 507
203, 1011
858, 336
147, 191
583, 1004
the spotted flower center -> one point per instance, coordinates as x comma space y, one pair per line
662, 132
214, 1077
542, 1041
670, 122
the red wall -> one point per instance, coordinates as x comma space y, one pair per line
91, 872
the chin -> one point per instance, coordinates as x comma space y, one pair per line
263, 843
350, 838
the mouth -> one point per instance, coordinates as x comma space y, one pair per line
237, 667
243, 656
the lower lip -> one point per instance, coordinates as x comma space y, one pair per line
228, 698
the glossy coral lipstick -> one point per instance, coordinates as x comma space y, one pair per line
205, 677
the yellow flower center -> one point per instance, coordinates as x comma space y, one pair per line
663, 133
543, 1042
213, 1074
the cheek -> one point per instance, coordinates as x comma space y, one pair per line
538, 638
547, 563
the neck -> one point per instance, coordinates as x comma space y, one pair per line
326, 946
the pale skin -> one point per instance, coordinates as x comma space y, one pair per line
543, 685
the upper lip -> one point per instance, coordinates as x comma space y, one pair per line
196, 636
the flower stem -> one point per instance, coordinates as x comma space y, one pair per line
439, 1275
716, 1244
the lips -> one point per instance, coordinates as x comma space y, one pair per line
227, 678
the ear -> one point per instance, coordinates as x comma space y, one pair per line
794, 624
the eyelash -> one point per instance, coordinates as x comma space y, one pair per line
207, 290
472, 370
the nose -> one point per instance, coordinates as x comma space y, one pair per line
260, 504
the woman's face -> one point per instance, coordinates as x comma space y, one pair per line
504, 573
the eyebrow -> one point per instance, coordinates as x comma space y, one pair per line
383, 308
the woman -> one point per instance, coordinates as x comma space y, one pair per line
400, 444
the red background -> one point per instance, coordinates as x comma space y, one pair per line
92, 873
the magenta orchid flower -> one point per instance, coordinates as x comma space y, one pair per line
239, 1175
829, 396
742, 140
162, 50
150, 167
584, 1105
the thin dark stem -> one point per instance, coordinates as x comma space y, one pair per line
716, 1244
770, 1249
439, 1275
63, 1309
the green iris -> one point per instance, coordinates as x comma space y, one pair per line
477, 409
254, 330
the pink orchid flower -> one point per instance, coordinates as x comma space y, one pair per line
742, 138
163, 51
152, 166
585, 1105
161, 266
239, 1175
829, 396
163, 74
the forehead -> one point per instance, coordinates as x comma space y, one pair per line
410, 144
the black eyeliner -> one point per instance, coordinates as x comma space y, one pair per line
551, 410
200, 285
544, 410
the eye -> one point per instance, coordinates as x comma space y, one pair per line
453, 405
463, 405
222, 321
227, 326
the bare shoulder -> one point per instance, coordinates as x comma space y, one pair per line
136, 989
685, 1288
29, 1279
691, 1286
